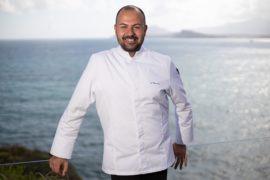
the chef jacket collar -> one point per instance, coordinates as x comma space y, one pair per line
126, 55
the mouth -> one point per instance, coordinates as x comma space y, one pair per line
130, 39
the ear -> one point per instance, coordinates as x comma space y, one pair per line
146, 27
114, 27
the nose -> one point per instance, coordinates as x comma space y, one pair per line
130, 31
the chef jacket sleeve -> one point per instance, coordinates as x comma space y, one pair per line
69, 124
183, 111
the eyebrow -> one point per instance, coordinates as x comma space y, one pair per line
137, 24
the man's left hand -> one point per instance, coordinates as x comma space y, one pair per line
180, 152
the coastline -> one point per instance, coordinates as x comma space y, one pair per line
17, 161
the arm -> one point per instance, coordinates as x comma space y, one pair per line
183, 114
69, 124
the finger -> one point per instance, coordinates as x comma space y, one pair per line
186, 160
56, 167
177, 163
50, 163
181, 163
65, 168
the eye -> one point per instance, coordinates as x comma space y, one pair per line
123, 27
137, 27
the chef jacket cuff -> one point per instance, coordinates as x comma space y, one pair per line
62, 148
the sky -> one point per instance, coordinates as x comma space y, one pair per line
32, 19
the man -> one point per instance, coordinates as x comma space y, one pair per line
130, 86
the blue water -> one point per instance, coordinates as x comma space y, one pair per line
227, 82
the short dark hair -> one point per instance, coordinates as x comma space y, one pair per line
131, 7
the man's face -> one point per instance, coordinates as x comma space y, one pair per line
130, 30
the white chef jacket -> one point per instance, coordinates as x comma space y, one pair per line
131, 95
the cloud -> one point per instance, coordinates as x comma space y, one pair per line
261, 9
96, 17
180, 9
28, 6
6, 6
196, 13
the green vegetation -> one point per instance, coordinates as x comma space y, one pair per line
31, 171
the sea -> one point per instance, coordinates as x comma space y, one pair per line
227, 81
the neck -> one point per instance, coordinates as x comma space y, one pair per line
132, 54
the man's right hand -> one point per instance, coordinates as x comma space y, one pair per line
58, 165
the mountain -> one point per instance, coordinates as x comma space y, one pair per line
190, 34
255, 28
156, 31
250, 28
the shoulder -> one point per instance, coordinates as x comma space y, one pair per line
157, 56
101, 56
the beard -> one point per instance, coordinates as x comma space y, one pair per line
131, 43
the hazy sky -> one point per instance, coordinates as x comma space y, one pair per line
95, 18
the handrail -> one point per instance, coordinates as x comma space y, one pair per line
23, 162
192, 145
